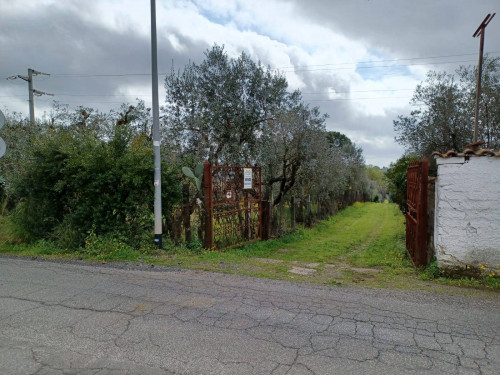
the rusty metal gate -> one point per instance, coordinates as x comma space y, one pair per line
233, 205
416, 213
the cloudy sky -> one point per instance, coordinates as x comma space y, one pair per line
358, 60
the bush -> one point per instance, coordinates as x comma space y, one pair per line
196, 246
431, 271
75, 181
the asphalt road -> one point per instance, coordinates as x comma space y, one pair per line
58, 318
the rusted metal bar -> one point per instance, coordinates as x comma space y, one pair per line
260, 202
416, 213
266, 220
208, 205
422, 214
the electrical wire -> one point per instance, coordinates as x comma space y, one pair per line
377, 61
288, 69
336, 66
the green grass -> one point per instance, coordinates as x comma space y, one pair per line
362, 245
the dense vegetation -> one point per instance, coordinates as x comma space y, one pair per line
86, 173
75, 176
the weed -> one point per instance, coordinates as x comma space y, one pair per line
431, 272
195, 246
363, 244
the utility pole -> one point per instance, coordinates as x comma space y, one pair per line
480, 31
31, 91
156, 130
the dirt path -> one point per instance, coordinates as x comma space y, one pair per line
363, 245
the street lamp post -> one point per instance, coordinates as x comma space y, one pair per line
156, 131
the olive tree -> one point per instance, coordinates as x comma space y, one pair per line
443, 117
218, 108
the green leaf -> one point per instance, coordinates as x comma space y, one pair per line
198, 171
197, 181
188, 172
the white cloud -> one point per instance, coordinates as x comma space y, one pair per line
319, 47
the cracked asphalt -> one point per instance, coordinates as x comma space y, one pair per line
72, 318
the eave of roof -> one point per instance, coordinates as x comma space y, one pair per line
467, 152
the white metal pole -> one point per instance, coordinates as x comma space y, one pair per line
156, 130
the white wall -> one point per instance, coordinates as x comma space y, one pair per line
467, 212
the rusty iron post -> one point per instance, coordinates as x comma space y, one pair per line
416, 213
260, 202
208, 205
422, 215
266, 220
247, 208
480, 32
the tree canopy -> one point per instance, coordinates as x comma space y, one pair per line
218, 108
233, 110
83, 171
443, 117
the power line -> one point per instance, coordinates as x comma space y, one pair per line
77, 75
332, 91
389, 60
84, 95
349, 92
377, 66
354, 99
89, 75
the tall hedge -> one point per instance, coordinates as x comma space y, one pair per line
75, 181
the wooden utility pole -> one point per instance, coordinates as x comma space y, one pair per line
480, 32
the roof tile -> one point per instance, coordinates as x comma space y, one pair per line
467, 152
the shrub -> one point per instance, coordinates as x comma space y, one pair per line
75, 181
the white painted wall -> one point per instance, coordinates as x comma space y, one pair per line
467, 212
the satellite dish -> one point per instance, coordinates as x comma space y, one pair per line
2, 119
3, 147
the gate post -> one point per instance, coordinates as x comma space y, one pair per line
208, 205
246, 205
422, 214
416, 214
266, 220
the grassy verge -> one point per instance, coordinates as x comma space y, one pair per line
362, 245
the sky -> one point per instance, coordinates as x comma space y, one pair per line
358, 60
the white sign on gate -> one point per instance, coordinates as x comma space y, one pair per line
247, 178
